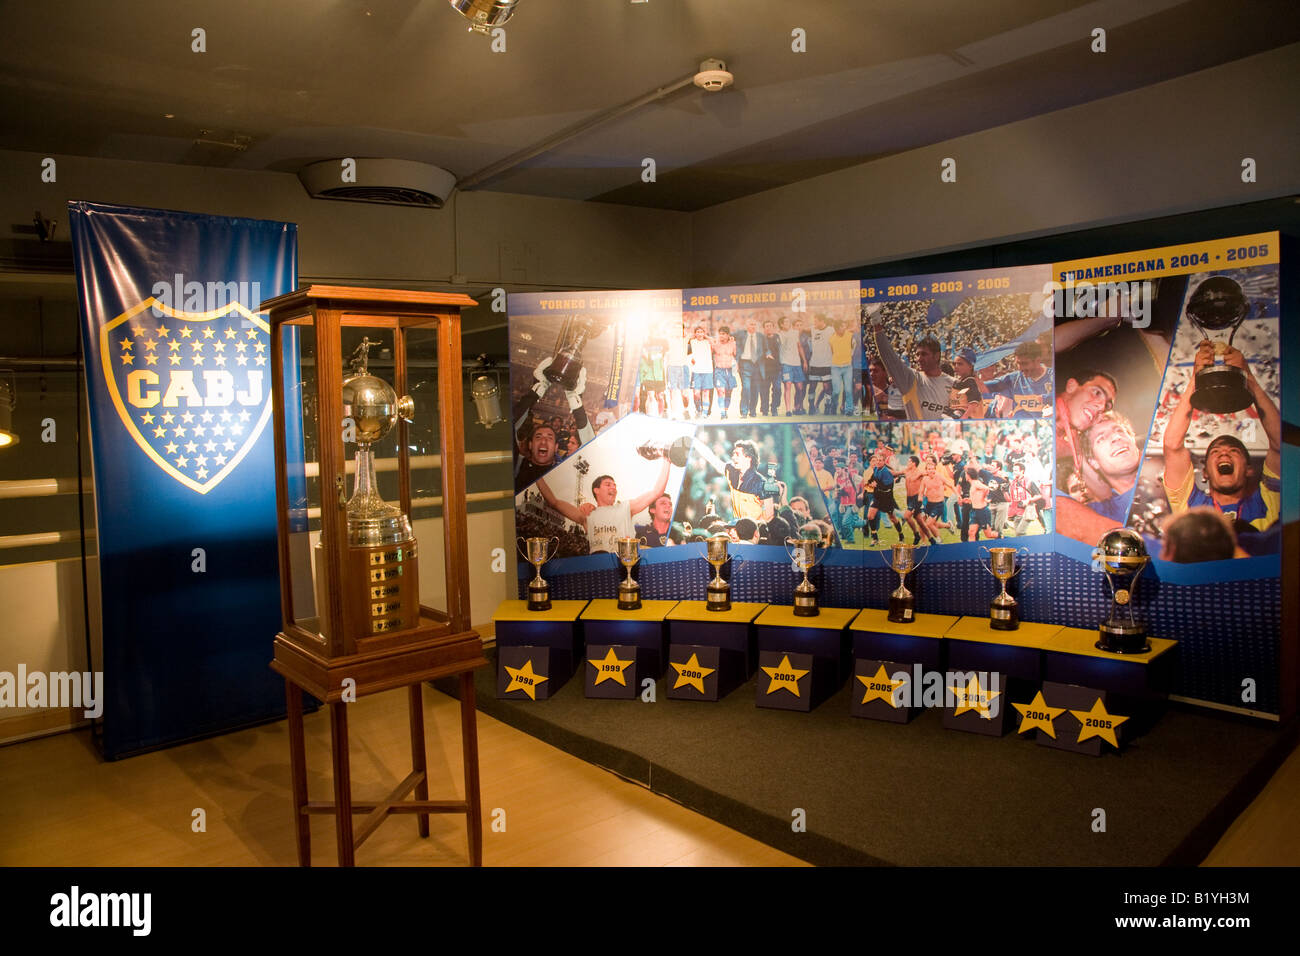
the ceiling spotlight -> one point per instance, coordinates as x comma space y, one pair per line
713, 76
8, 399
483, 15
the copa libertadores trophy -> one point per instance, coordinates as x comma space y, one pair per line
1219, 305
1122, 556
804, 554
902, 602
381, 547
534, 552
629, 592
719, 590
1004, 611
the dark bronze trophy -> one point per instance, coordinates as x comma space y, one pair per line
902, 602
1122, 556
629, 591
534, 552
1004, 611
1218, 305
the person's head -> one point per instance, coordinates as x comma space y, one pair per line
604, 490
800, 324
571, 443
542, 445
751, 325
879, 377
662, 508
724, 334
1029, 358
744, 455
769, 327
783, 322
930, 466
1111, 447
928, 354
746, 529
916, 462
819, 321
964, 364
1087, 396
799, 505
1017, 468
996, 464
699, 332
1227, 465
1198, 534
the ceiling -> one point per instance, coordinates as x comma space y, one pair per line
287, 82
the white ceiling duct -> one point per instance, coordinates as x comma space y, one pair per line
390, 182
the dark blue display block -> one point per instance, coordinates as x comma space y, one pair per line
876, 693
530, 673
611, 672
645, 629
690, 622
703, 672
558, 630
875, 637
788, 680
989, 670
824, 639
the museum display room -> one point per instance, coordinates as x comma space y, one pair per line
644, 433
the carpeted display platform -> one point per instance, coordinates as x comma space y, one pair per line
916, 794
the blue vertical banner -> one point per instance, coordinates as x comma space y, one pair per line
178, 374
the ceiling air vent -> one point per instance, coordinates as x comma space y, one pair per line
390, 182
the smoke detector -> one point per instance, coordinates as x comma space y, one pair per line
389, 182
713, 76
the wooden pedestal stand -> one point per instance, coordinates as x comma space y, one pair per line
406, 666
333, 645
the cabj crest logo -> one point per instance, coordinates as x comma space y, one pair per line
192, 388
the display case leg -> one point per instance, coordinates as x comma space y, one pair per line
469, 741
342, 782
419, 761
298, 771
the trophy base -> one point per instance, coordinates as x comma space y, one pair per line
719, 600
1221, 390
629, 600
1004, 618
539, 599
805, 605
902, 610
1123, 640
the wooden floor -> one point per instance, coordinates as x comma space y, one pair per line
63, 806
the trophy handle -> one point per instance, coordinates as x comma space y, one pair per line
819, 559
885, 559
925, 553
1023, 555
556, 539
788, 549
519, 543
986, 567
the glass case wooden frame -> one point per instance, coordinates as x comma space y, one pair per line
328, 310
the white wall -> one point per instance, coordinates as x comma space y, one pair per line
1169, 148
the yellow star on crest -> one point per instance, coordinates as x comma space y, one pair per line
608, 668
127, 359
151, 359
174, 346
162, 331
126, 343
231, 333
207, 333
1037, 715
523, 678
168, 418
691, 674
1098, 723
784, 677
146, 418
185, 331
973, 697
880, 686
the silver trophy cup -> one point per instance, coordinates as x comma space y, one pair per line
804, 554
629, 592
534, 552
902, 602
719, 589
1122, 557
1004, 611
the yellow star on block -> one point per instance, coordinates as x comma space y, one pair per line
880, 686
784, 677
608, 668
691, 674
1098, 723
1037, 715
523, 678
973, 697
